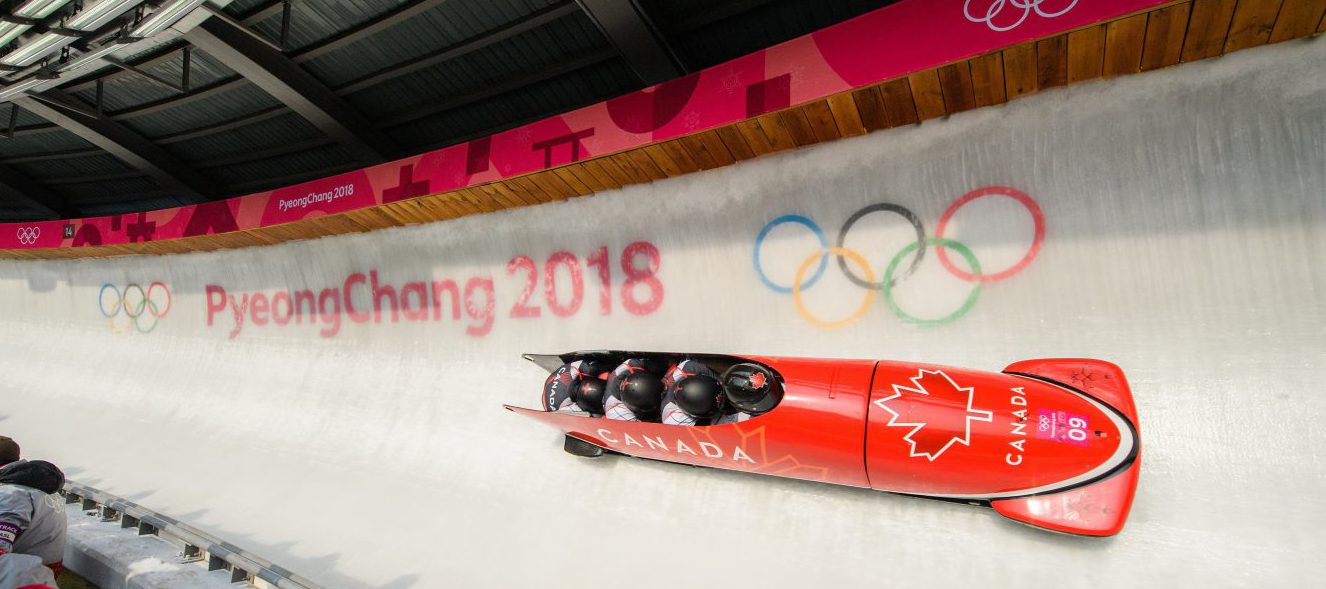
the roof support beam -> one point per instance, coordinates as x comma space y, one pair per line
272, 71
625, 23
18, 188
121, 142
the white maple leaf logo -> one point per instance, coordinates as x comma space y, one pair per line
934, 422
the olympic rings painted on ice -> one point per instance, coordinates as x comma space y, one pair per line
895, 272
841, 252
146, 305
28, 235
1037, 217
905, 213
799, 220
1027, 6
940, 243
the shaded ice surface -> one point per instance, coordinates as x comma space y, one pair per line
1185, 216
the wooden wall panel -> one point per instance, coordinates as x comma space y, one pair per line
899, 102
987, 77
798, 128
1124, 40
845, 115
820, 117
956, 86
1052, 62
870, 105
1207, 28
928, 94
1296, 18
1086, 54
1252, 24
1165, 32
1020, 70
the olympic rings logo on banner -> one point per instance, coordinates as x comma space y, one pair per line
1027, 6
28, 235
143, 308
897, 271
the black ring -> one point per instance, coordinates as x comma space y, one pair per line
902, 211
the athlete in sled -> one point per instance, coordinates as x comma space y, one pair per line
1051, 443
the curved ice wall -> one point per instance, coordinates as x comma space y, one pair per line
336, 404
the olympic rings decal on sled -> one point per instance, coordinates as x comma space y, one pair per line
896, 272
137, 309
28, 235
996, 8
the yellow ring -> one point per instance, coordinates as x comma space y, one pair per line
860, 311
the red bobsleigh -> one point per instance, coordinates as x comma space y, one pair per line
1051, 443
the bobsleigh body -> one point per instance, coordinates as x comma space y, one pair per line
1051, 443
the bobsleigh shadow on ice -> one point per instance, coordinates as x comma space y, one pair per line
1051, 443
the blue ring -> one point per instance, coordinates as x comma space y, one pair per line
118, 297
759, 242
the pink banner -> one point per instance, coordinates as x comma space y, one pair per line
895, 40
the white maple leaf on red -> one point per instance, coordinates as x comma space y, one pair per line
938, 412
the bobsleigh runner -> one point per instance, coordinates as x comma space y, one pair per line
1050, 443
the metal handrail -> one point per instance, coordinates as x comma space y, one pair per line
196, 542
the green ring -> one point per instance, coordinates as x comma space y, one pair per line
155, 317
937, 242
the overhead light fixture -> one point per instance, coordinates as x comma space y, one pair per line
38, 8
90, 56
10, 31
18, 87
163, 18
36, 49
100, 13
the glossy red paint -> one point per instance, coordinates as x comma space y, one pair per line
1026, 442
964, 434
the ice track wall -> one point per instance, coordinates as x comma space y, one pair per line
1171, 222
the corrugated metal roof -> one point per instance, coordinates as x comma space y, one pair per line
243, 99
239, 8
79, 167
131, 89
109, 191
313, 21
446, 25
46, 141
114, 205
582, 88
25, 118
530, 53
285, 167
286, 128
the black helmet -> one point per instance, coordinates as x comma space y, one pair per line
752, 388
596, 365
588, 395
699, 396
642, 393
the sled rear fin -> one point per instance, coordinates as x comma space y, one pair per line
1098, 509
549, 362
1097, 378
